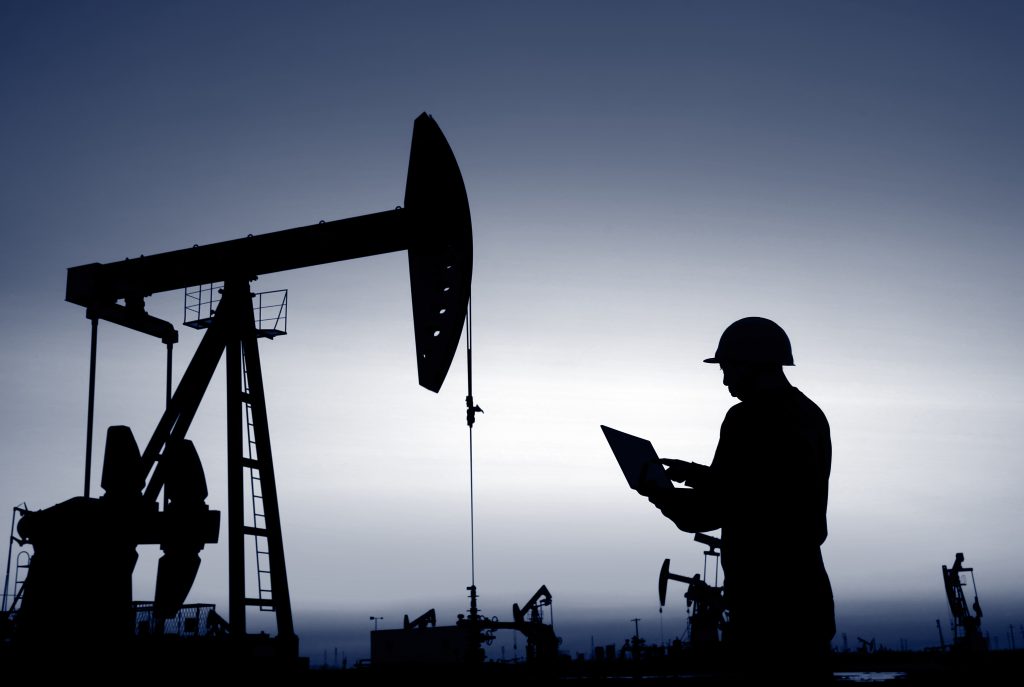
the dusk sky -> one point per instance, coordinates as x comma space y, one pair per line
640, 175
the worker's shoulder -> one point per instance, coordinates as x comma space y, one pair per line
743, 418
781, 403
737, 412
808, 407
802, 398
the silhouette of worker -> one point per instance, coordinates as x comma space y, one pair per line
767, 489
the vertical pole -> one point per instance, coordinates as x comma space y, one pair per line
236, 473
92, 406
167, 400
471, 410
170, 357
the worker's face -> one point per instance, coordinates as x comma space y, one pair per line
739, 378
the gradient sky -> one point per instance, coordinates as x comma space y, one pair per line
640, 175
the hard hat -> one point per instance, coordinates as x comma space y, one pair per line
754, 340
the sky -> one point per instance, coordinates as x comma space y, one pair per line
640, 175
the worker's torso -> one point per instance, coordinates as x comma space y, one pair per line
771, 472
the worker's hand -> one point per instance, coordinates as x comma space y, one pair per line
667, 501
659, 495
684, 471
687, 508
675, 469
648, 488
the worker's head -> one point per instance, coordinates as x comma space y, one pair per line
752, 352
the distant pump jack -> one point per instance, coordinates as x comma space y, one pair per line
422, 641
967, 635
705, 603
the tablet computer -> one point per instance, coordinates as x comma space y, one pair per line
638, 461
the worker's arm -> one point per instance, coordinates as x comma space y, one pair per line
692, 510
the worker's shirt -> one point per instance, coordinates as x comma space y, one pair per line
770, 488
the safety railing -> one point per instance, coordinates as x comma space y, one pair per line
269, 309
201, 304
192, 620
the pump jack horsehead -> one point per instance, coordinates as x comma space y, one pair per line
433, 226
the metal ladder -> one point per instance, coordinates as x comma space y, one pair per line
257, 528
12, 597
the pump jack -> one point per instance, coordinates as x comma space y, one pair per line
434, 226
422, 641
705, 602
966, 626
528, 620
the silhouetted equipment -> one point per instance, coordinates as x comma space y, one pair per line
434, 226
705, 603
13, 589
12, 594
714, 545
427, 619
541, 642
422, 641
471, 410
65, 580
446, 645
966, 618
542, 597
754, 340
191, 620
